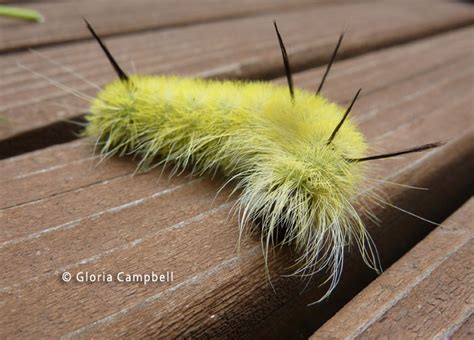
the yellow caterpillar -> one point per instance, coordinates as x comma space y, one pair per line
296, 157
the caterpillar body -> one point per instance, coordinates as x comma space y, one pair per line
296, 159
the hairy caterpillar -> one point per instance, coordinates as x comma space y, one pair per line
297, 159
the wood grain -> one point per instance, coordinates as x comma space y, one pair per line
466, 330
428, 293
63, 20
101, 219
204, 50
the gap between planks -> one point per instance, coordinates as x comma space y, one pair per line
64, 23
427, 283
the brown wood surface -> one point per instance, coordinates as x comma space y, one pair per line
59, 211
63, 19
427, 294
242, 48
466, 330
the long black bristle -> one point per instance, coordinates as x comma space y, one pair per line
343, 118
286, 62
121, 74
333, 57
398, 153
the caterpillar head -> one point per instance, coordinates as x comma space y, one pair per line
305, 179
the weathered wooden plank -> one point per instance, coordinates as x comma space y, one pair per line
135, 224
64, 19
466, 330
428, 293
205, 50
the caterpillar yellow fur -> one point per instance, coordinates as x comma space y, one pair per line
296, 159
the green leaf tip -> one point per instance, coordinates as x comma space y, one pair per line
21, 13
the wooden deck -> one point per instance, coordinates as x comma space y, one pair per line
61, 211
